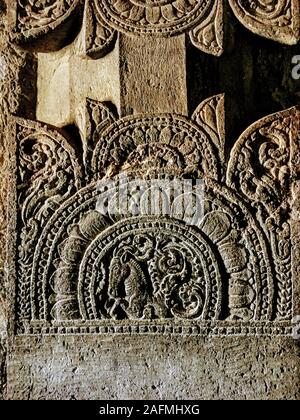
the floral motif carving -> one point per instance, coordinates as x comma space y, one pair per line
208, 35
78, 265
276, 19
49, 173
171, 143
260, 167
100, 37
260, 161
33, 19
203, 20
155, 17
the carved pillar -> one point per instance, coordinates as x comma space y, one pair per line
83, 269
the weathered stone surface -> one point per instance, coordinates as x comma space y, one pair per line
143, 74
275, 19
210, 298
78, 78
155, 368
73, 260
17, 95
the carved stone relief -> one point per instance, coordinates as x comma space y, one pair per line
226, 273
121, 271
275, 19
203, 20
32, 20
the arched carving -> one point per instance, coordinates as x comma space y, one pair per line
231, 265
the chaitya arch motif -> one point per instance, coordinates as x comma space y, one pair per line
81, 269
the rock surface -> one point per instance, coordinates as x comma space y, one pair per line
149, 307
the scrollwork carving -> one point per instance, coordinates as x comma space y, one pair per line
49, 173
32, 20
231, 265
150, 274
260, 167
208, 35
260, 162
276, 19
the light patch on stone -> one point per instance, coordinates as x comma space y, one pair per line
3, 68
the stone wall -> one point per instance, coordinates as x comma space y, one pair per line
149, 306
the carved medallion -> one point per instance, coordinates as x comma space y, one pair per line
171, 143
85, 262
155, 17
149, 269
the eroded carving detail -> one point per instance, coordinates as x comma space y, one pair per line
208, 35
171, 143
32, 19
203, 20
275, 19
99, 116
49, 173
77, 265
100, 37
260, 168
